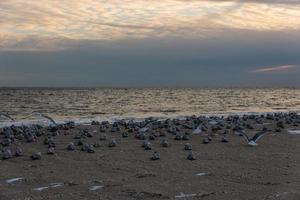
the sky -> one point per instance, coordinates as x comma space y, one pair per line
142, 43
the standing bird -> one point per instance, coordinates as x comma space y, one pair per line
252, 141
143, 128
199, 128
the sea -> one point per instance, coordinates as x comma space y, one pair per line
83, 105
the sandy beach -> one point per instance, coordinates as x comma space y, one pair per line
231, 170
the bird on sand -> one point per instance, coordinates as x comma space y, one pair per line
143, 128
252, 141
199, 128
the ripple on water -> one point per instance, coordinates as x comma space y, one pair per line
63, 104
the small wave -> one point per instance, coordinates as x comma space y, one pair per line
114, 118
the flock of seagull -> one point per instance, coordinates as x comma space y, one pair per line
146, 130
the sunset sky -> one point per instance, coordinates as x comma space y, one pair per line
150, 43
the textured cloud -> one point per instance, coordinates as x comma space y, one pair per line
282, 68
256, 1
53, 24
14, 76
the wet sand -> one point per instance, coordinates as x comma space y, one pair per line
230, 170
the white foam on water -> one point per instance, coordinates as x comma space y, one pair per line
281, 194
41, 188
54, 185
96, 187
11, 181
114, 118
182, 195
51, 185
202, 174
294, 132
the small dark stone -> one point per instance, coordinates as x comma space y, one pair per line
96, 145
151, 137
147, 145
36, 156
54, 128
71, 146
155, 156
20, 137
85, 147
51, 151
140, 136
162, 134
77, 136
185, 137
80, 143
6, 154
278, 130
56, 133
6, 142
114, 129
39, 133
112, 143
90, 134
95, 123
224, 140
18, 152
30, 138
51, 143
188, 147
103, 137
178, 137
90, 149
46, 140
164, 143
249, 126
124, 134
102, 129
205, 141
191, 156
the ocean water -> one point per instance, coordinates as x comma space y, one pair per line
86, 104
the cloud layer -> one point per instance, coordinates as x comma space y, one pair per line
149, 43
52, 24
282, 68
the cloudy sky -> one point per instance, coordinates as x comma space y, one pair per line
138, 43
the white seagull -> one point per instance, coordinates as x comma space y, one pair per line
252, 141
143, 129
198, 130
49, 118
42, 115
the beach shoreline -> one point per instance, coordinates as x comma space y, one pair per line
221, 170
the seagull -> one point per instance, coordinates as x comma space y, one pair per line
49, 118
213, 122
143, 129
44, 116
252, 141
7, 116
197, 130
